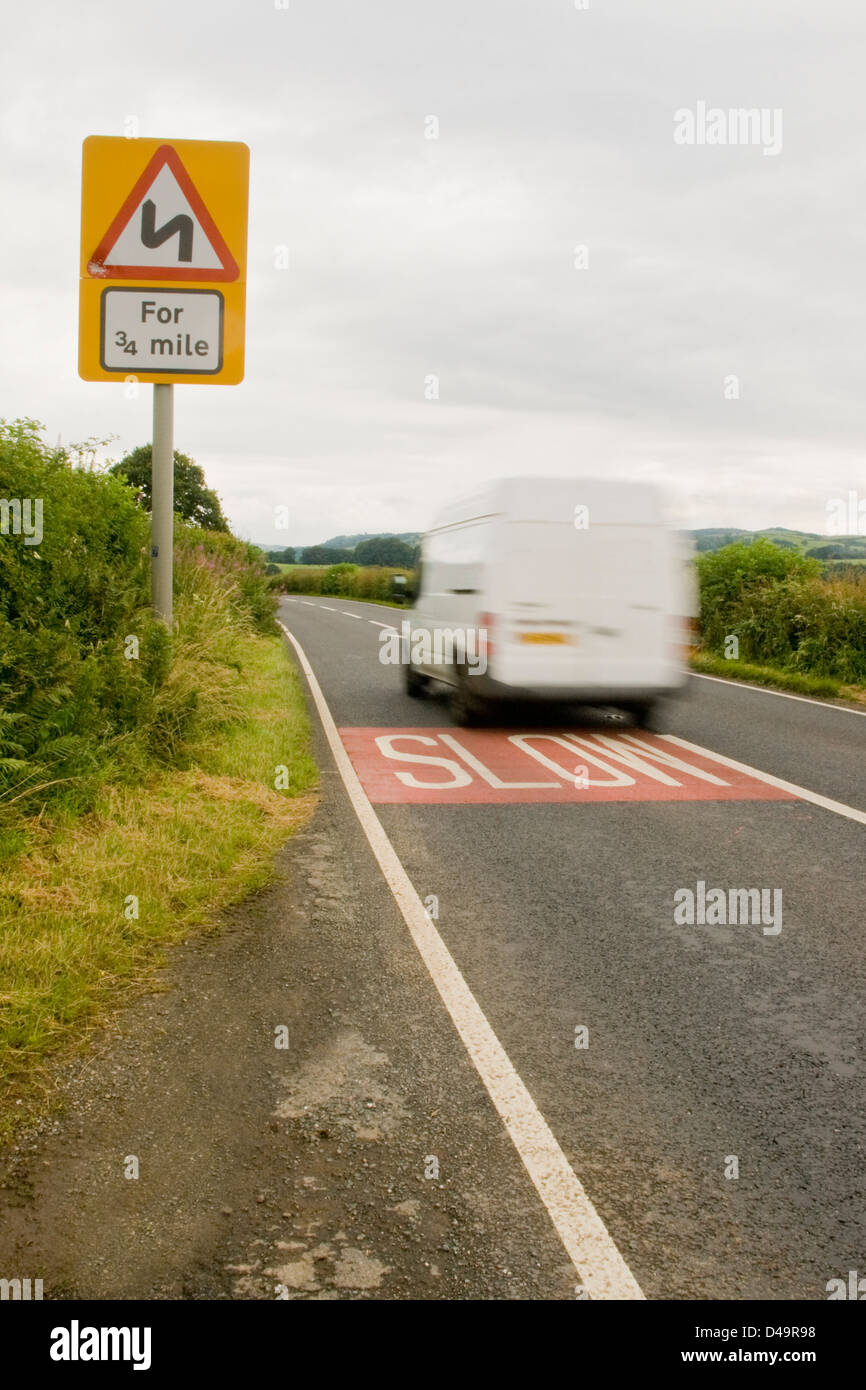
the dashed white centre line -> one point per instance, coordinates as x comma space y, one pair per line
327, 608
603, 1271
389, 627
346, 614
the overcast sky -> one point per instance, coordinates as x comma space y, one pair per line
454, 257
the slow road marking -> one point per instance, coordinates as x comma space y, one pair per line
603, 1272
497, 765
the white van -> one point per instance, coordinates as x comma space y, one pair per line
556, 589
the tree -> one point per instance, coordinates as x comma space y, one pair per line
384, 550
326, 555
193, 500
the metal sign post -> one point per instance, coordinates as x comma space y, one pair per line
162, 501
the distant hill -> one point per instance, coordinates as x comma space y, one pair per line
823, 547
349, 542
805, 542
715, 536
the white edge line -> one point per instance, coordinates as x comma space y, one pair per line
603, 1271
783, 694
802, 793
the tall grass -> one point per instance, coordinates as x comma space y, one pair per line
221, 600
184, 843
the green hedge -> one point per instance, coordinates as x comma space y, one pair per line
67, 691
342, 580
784, 610
74, 708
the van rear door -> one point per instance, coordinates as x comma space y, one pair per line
582, 606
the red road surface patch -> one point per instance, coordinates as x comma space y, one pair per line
500, 765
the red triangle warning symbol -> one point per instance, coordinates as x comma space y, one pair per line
163, 231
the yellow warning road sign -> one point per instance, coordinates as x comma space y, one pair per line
163, 260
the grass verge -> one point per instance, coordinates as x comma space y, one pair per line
800, 683
183, 843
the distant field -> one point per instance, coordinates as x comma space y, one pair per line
298, 566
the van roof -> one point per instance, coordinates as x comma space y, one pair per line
609, 501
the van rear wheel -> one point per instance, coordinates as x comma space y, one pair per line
416, 684
645, 714
465, 706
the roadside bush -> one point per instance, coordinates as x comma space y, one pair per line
300, 579
784, 610
341, 580
67, 604
376, 582
81, 702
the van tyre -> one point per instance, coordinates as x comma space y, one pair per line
645, 715
466, 708
416, 684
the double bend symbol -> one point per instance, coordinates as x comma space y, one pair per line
181, 226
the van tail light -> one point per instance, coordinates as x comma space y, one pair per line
686, 636
485, 634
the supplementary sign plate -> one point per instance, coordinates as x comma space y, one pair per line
166, 331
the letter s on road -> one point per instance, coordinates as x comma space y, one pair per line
459, 776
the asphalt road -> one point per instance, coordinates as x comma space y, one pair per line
387, 1151
707, 1044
